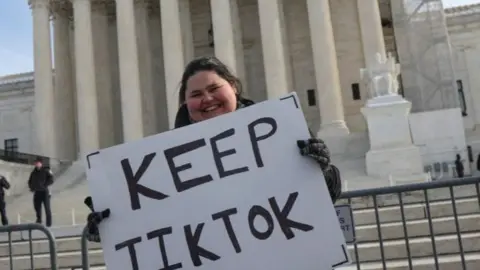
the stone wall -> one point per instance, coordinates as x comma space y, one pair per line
17, 115
465, 40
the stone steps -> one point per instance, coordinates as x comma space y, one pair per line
447, 248
41, 246
368, 250
418, 228
68, 251
65, 260
447, 262
434, 195
416, 211
80, 268
419, 247
72, 260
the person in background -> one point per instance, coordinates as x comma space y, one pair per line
40, 179
3, 212
459, 166
208, 89
478, 162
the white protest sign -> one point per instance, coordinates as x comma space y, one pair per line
230, 193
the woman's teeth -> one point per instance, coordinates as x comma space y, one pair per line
211, 108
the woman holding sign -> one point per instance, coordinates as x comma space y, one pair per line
208, 89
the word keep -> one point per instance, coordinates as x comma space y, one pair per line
133, 179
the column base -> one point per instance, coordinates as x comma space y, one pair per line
335, 135
333, 129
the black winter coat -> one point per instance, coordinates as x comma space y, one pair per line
332, 175
40, 179
3, 185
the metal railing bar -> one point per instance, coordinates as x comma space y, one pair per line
477, 187
355, 245
430, 226
379, 229
457, 227
10, 250
30, 248
405, 231
85, 265
30, 227
414, 238
422, 257
410, 187
410, 204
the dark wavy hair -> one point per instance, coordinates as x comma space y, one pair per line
207, 63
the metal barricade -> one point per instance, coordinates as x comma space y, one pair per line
87, 250
85, 263
21, 260
432, 225
411, 226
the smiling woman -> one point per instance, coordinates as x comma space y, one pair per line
208, 95
208, 89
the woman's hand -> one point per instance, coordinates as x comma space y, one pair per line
318, 151
93, 219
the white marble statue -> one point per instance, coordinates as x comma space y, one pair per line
382, 77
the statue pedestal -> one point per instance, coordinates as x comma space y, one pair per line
385, 100
392, 154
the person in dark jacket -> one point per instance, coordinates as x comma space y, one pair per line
208, 89
478, 162
459, 167
3, 212
40, 179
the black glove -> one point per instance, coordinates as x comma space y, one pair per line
93, 219
317, 150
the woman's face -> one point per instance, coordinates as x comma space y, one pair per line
208, 95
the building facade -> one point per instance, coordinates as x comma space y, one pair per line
110, 87
464, 30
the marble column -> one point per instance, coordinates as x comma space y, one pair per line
371, 29
131, 95
74, 85
87, 103
329, 94
43, 77
276, 62
103, 74
187, 30
227, 35
145, 65
65, 124
158, 69
175, 20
